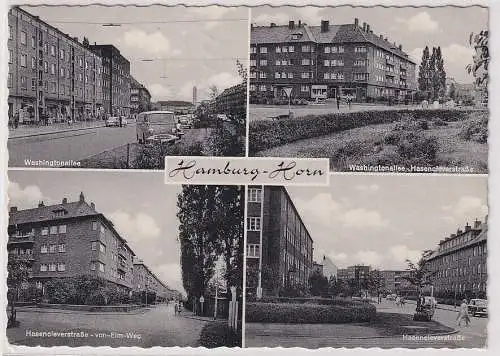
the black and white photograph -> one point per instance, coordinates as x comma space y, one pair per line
92, 262
373, 89
123, 86
389, 261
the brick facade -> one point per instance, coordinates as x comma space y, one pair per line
326, 61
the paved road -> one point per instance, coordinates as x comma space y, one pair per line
71, 145
158, 326
474, 336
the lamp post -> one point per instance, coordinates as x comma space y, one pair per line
288, 92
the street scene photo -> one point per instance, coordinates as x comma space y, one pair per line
122, 87
92, 262
373, 89
388, 261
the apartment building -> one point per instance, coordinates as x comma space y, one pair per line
144, 280
232, 100
461, 261
356, 272
279, 246
50, 72
326, 267
67, 240
115, 79
328, 60
395, 282
140, 98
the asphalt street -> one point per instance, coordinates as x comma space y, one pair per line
70, 145
156, 326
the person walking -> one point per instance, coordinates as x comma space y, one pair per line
463, 314
398, 301
338, 101
16, 120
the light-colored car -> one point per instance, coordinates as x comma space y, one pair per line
478, 307
115, 121
185, 122
162, 126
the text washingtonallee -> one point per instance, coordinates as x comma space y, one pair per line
285, 170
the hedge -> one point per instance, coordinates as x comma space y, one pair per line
309, 313
311, 300
265, 134
218, 334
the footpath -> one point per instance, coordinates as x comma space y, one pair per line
34, 130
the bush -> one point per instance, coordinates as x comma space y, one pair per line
417, 150
153, 156
309, 313
218, 334
475, 130
265, 134
311, 300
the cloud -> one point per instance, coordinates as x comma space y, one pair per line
369, 257
337, 257
151, 43
266, 19
221, 80
159, 92
135, 226
421, 22
367, 188
416, 55
212, 12
362, 218
400, 253
448, 219
456, 53
176, 52
170, 273
27, 197
309, 14
468, 204
329, 207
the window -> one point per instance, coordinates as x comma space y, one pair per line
278, 49
263, 75
360, 49
263, 49
33, 63
94, 225
253, 250
306, 48
253, 63
262, 88
102, 248
33, 84
10, 56
252, 87
80, 62
304, 88
52, 248
52, 267
254, 195
23, 38
341, 49
61, 267
102, 231
305, 75
101, 266
93, 246
277, 75
253, 223
53, 230
11, 35
253, 49
326, 63
43, 267
52, 68
92, 266
52, 50
62, 229
45, 231
9, 81
263, 62
327, 49
33, 42
62, 248
306, 61
290, 75
23, 60
326, 75
291, 49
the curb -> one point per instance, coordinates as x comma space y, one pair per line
197, 318
55, 132
454, 331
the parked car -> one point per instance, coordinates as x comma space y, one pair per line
115, 121
163, 125
478, 307
391, 297
185, 122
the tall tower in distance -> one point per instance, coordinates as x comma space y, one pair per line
194, 95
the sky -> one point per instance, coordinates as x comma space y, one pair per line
383, 220
145, 217
414, 28
199, 48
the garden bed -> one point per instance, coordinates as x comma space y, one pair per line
219, 334
396, 324
306, 313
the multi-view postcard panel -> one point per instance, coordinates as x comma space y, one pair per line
379, 257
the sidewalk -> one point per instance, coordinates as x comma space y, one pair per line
28, 130
190, 315
439, 306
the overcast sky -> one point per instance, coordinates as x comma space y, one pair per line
414, 28
383, 220
142, 207
201, 51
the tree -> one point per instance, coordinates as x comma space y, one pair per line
86, 42
440, 74
318, 284
213, 92
420, 274
376, 282
452, 91
433, 78
481, 59
333, 286
423, 71
18, 271
198, 237
242, 71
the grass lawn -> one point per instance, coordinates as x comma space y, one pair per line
370, 145
396, 324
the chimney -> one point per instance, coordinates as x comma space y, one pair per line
477, 224
364, 26
400, 47
272, 24
65, 201
371, 31
13, 209
82, 197
368, 28
325, 26
356, 22
291, 25
41, 204
459, 232
92, 205
385, 39
453, 235
381, 37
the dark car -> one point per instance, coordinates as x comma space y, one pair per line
478, 307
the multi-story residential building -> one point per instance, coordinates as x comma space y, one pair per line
140, 98
460, 262
146, 281
395, 282
232, 100
115, 78
328, 60
67, 240
326, 267
356, 272
279, 246
50, 72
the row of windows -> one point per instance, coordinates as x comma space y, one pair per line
334, 76
304, 49
53, 248
53, 267
102, 247
333, 63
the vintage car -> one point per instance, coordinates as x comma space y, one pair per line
158, 127
478, 307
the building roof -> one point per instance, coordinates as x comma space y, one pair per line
345, 33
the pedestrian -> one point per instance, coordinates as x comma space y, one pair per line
398, 301
176, 308
121, 120
402, 301
463, 313
338, 102
349, 100
16, 120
